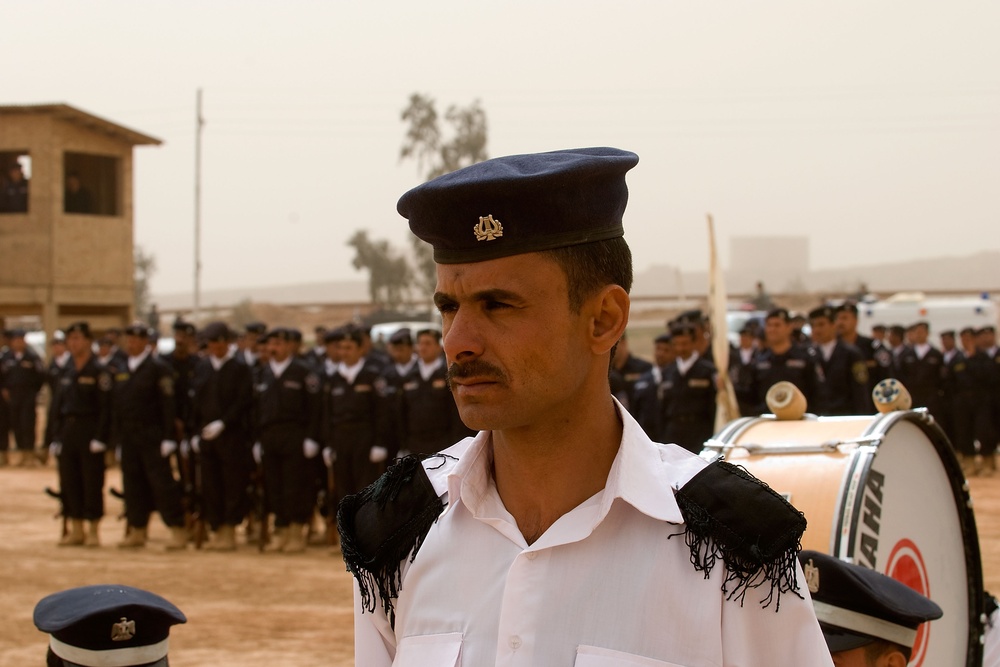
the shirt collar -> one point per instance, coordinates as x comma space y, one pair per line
135, 362
404, 369
644, 474
684, 365
219, 363
427, 370
278, 367
349, 373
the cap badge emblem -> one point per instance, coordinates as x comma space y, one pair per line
123, 630
488, 229
812, 576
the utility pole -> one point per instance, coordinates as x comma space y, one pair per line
199, 124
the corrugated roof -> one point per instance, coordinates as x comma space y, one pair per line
88, 120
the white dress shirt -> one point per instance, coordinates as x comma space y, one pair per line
604, 585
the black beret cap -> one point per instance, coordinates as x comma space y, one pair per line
822, 311
947, 333
79, 327
987, 329
690, 317
295, 335
137, 329
521, 203
857, 606
215, 331
781, 313
280, 333
16, 333
256, 327
401, 337
334, 335
107, 624
186, 327
663, 338
848, 307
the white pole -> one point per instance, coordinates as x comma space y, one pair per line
200, 122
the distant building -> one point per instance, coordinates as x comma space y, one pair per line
66, 227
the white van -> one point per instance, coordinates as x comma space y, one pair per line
941, 313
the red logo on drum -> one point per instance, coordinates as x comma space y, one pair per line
906, 565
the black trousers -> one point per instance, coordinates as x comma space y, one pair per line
225, 475
353, 470
81, 472
148, 478
23, 419
288, 477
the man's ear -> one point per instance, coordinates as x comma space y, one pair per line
892, 659
609, 310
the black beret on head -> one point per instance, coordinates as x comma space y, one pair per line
137, 329
256, 328
107, 625
401, 337
215, 331
857, 606
822, 311
521, 203
79, 327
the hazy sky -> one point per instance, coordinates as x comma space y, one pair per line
872, 127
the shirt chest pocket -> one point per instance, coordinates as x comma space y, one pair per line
444, 650
592, 656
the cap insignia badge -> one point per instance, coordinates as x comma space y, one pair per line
488, 229
812, 576
123, 630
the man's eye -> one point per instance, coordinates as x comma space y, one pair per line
496, 305
446, 308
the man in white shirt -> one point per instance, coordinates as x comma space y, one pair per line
560, 535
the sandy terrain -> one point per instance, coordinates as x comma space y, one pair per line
244, 608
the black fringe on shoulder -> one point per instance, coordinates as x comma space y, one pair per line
758, 548
383, 525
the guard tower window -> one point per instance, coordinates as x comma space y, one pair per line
15, 175
91, 184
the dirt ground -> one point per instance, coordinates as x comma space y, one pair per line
243, 608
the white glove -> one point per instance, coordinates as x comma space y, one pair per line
96, 447
378, 454
310, 448
168, 447
55, 449
196, 444
329, 456
185, 448
258, 452
212, 430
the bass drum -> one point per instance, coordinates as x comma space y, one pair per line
886, 492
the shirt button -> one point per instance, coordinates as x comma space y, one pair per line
514, 642
531, 555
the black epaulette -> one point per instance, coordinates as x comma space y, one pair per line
732, 515
382, 525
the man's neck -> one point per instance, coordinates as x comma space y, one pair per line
80, 360
781, 348
543, 472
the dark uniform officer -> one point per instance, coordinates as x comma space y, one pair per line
221, 402
404, 359
878, 358
864, 615
921, 369
741, 368
428, 414
22, 375
630, 368
107, 624
783, 360
688, 393
182, 361
351, 411
81, 428
649, 390
143, 419
958, 390
842, 374
288, 411
59, 364
985, 368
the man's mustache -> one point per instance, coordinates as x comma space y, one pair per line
482, 370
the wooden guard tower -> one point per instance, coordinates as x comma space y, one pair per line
66, 249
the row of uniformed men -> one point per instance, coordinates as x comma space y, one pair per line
836, 369
231, 403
